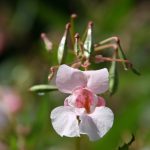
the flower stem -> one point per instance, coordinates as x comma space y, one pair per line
77, 144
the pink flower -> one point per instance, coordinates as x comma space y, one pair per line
83, 111
10, 100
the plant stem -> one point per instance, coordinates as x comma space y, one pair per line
77, 144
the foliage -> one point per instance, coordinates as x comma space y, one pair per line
24, 62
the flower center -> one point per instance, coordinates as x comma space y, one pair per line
84, 99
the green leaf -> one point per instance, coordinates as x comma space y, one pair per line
88, 41
113, 77
62, 49
126, 145
43, 88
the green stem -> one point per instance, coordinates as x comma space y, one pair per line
77, 143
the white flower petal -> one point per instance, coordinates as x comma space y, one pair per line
103, 118
98, 80
97, 124
70, 100
64, 121
80, 111
87, 126
67, 79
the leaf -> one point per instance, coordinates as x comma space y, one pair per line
113, 77
88, 41
126, 145
43, 88
62, 49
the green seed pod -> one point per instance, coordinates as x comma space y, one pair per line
125, 65
62, 49
88, 41
43, 88
76, 45
113, 77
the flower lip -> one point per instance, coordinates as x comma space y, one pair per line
67, 123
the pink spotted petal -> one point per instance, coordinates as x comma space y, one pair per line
67, 79
64, 121
97, 80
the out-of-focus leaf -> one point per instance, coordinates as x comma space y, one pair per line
126, 145
42, 88
113, 77
111, 21
62, 49
88, 41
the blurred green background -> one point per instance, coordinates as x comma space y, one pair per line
25, 62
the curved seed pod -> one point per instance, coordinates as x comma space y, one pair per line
135, 71
62, 49
72, 18
125, 65
88, 41
113, 77
43, 88
122, 56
